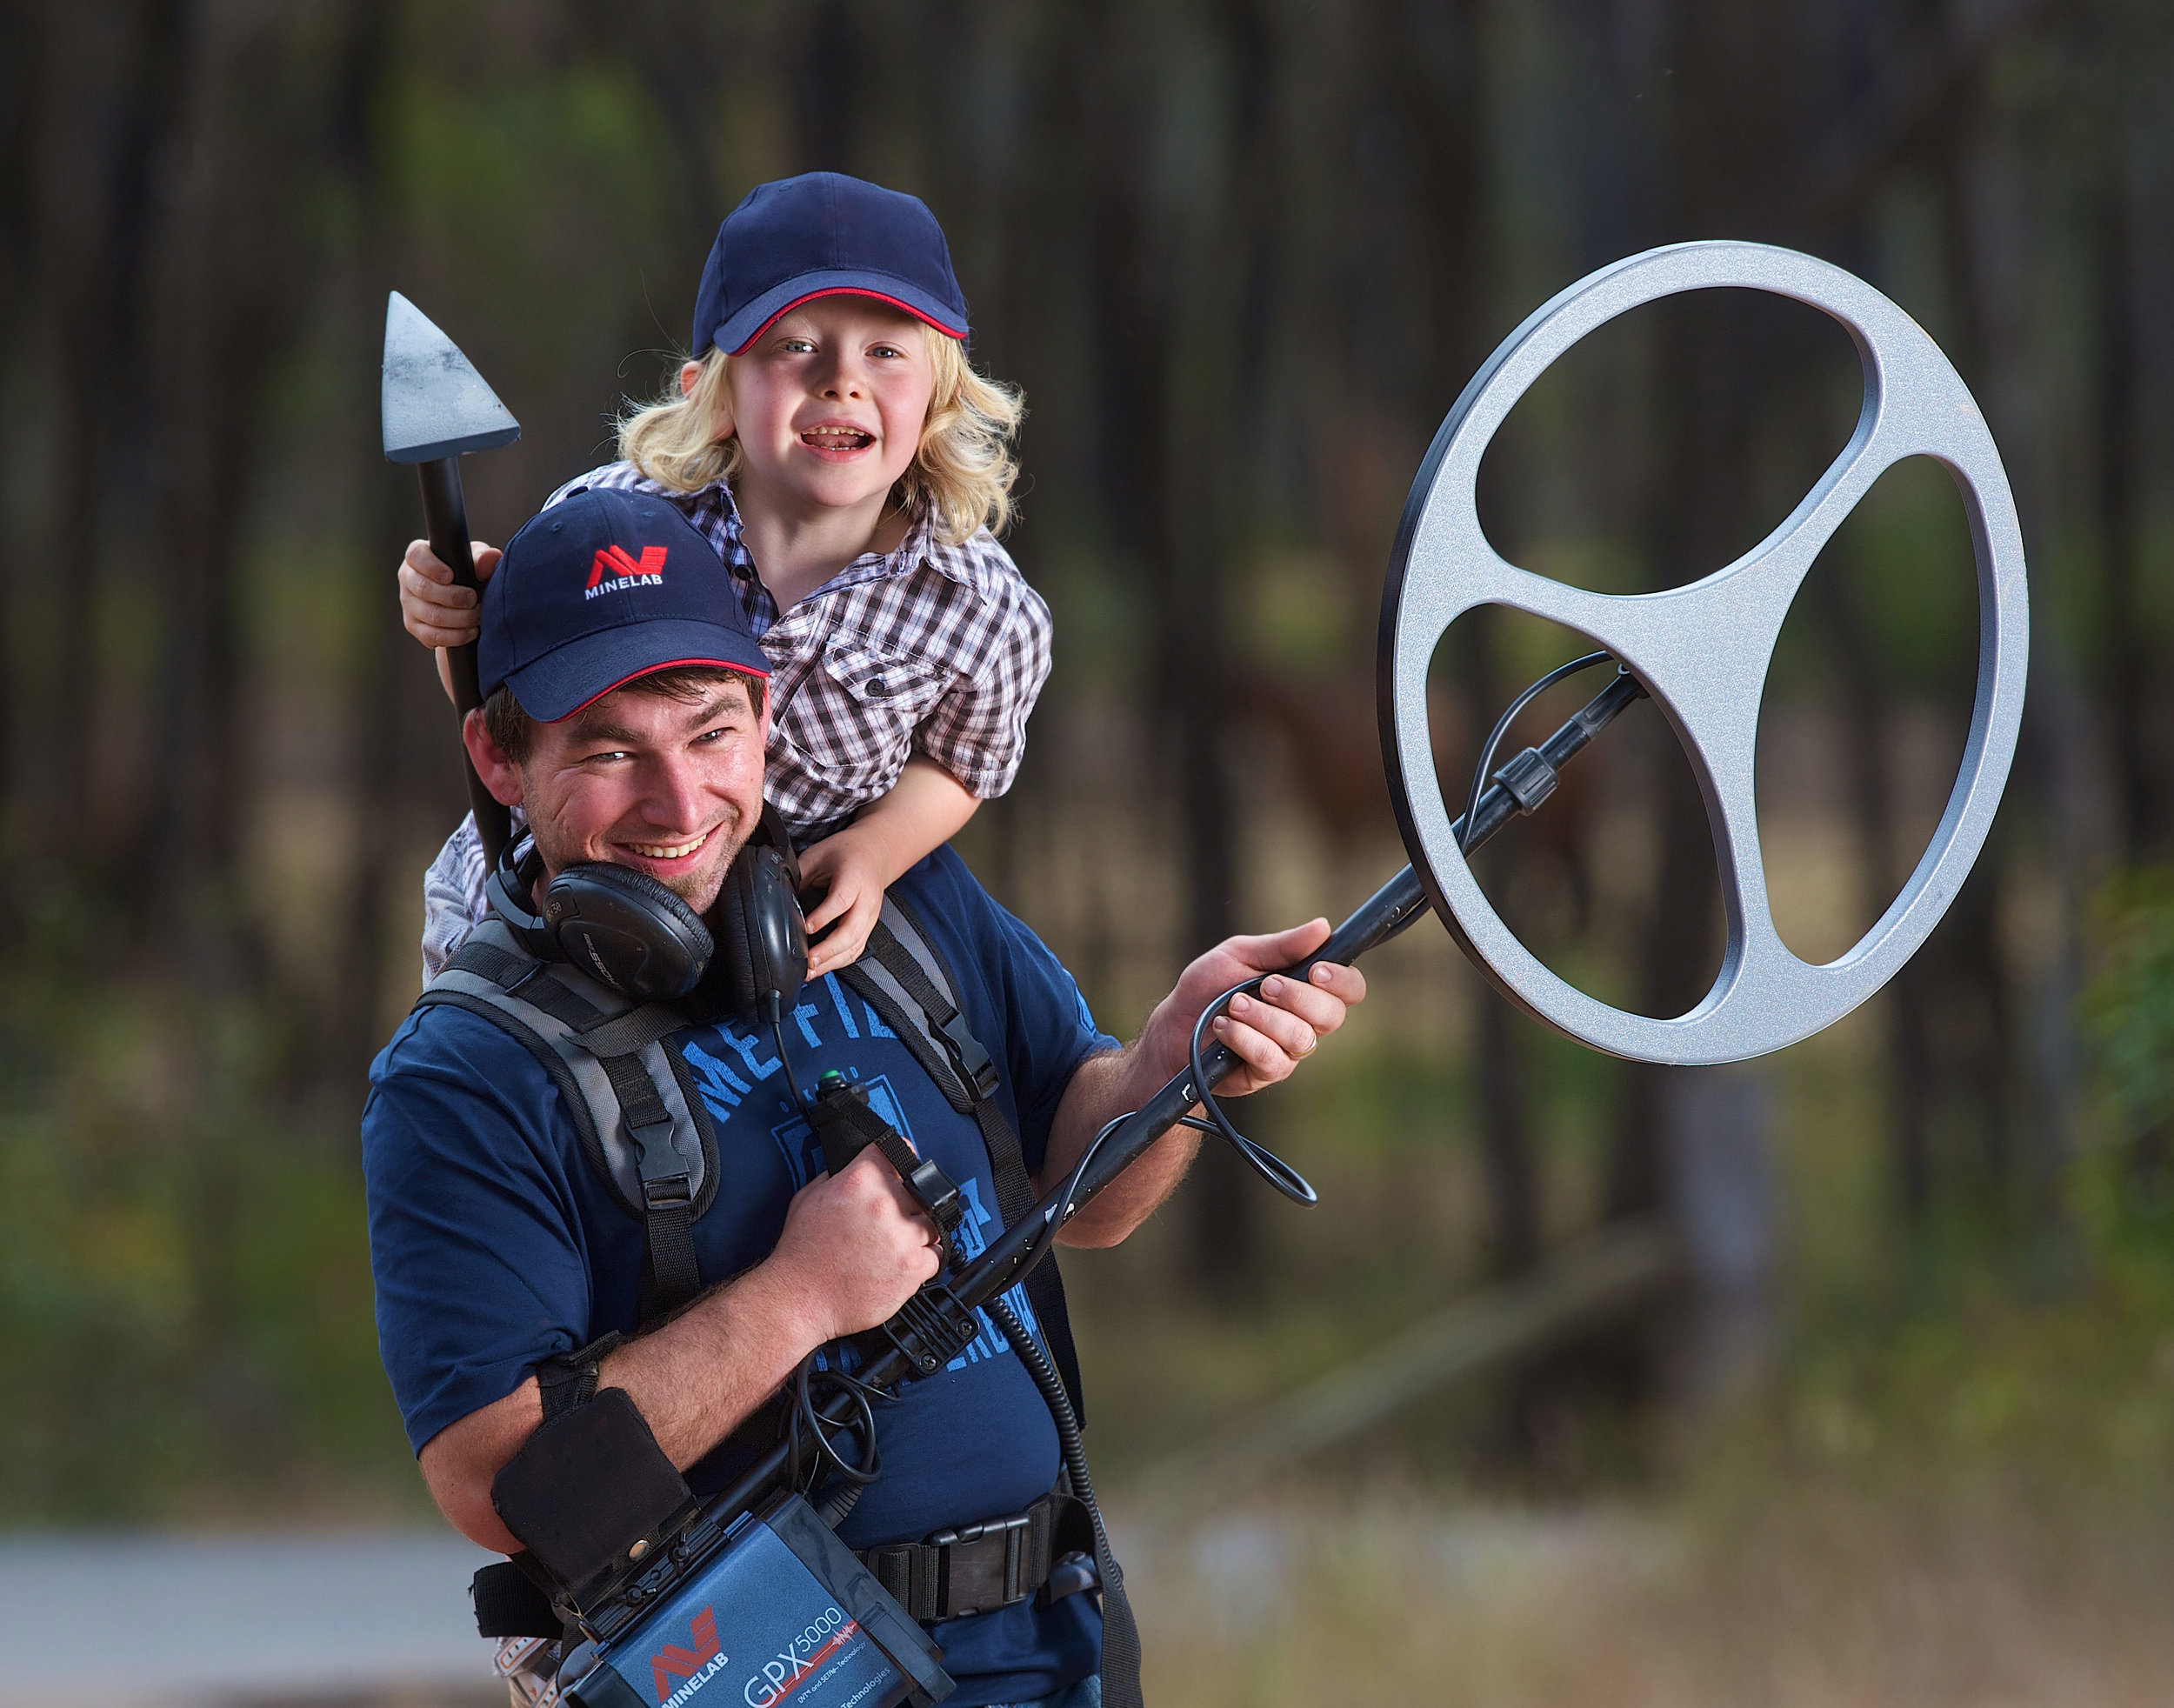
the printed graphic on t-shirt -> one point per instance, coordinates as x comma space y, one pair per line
829, 1013
827, 1008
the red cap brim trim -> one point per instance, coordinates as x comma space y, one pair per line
838, 291
651, 670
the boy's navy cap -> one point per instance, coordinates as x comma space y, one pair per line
602, 587
824, 234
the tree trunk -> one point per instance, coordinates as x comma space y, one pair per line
2133, 664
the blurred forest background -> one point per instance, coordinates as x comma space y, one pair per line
1908, 1396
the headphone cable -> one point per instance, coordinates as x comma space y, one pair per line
784, 1061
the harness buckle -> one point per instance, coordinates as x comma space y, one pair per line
968, 1056
655, 1155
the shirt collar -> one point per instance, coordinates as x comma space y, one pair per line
908, 555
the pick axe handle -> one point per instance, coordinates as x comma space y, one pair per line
445, 520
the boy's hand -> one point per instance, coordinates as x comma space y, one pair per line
432, 609
849, 868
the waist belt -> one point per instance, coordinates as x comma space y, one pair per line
978, 1568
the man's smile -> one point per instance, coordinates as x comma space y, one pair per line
665, 852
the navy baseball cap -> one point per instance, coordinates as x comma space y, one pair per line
602, 587
824, 234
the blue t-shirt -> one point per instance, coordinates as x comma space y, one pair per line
494, 1244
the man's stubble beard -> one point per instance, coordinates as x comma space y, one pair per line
698, 890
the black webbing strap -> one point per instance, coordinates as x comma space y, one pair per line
486, 961
1120, 1632
529, 980
845, 1124
978, 1568
569, 1379
1045, 1288
668, 1196
633, 1031
667, 1182
969, 1062
973, 1085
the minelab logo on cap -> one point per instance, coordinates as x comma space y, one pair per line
614, 570
699, 1665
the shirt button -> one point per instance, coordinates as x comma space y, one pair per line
875, 685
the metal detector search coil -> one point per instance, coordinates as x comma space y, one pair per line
782, 1614
1702, 651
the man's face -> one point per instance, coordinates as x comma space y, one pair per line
668, 787
830, 404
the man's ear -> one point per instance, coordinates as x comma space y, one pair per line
500, 775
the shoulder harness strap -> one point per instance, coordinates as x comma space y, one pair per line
645, 1133
905, 980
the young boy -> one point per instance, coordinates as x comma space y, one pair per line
830, 440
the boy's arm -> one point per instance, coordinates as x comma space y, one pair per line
925, 810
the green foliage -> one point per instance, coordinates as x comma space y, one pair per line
184, 1273
1966, 1378
2129, 1006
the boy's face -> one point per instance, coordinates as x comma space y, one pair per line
830, 404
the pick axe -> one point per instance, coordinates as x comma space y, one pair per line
434, 408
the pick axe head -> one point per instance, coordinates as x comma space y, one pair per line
433, 402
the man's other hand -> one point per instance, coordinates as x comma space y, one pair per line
855, 1247
1270, 1034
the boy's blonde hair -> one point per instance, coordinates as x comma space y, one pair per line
961, 474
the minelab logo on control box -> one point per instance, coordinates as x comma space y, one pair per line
697, 1664
614, 570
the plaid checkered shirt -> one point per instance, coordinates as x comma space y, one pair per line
933, 649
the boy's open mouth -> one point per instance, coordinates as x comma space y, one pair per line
836, 438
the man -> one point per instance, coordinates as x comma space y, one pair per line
495, 1243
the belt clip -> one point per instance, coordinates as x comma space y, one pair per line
1014, 1532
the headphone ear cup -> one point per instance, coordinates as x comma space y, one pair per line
508, 889
773, 829
630, 930
765, 936
734, 972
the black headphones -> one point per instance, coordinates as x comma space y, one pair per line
628, 930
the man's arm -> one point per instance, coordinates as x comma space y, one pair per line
853, 1248
1270, 1037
